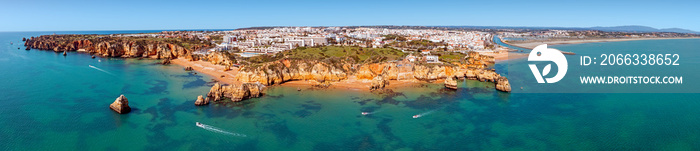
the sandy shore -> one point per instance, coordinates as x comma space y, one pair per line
210, 69
533, 44
505, 55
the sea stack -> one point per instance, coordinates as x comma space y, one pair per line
378, 83
166, 62
235, 92
201, 101
121, 105
27, 48
502, 84
64, 53
451, 83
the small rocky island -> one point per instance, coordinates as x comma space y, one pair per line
121, 105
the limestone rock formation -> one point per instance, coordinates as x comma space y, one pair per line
451, 83
188, 68
431, 73
220, 58
107, 46
378, 83
121, 105
502, 84
201, 101
236, 93
289, 70
166, 62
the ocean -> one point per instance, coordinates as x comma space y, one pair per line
53, 102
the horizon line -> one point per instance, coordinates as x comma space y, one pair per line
223, 29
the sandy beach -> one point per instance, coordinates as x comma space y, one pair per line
210, 69
505, 55
533, 44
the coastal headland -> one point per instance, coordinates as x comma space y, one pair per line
350, 67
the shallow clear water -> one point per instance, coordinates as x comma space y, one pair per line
52, 102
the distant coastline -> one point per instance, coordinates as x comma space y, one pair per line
534, 43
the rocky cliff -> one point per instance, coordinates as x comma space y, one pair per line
256, 76
111, 46
278, 72
236, 93
290, 70
451, 83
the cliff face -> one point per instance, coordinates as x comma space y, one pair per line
287, 70
221, 58
236, 93
256, 76
291, 70
109, 47
451, 83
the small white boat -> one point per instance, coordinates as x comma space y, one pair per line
365, 113
417, 116
199, 124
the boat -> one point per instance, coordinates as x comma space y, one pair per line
199, 124
416, 116
365, 113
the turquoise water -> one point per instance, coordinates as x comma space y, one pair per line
52, 102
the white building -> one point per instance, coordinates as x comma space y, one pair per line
431, 59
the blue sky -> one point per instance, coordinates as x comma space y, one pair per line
73, 15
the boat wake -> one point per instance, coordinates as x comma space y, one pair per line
426, 113
368, 113
100, 70
217, 130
